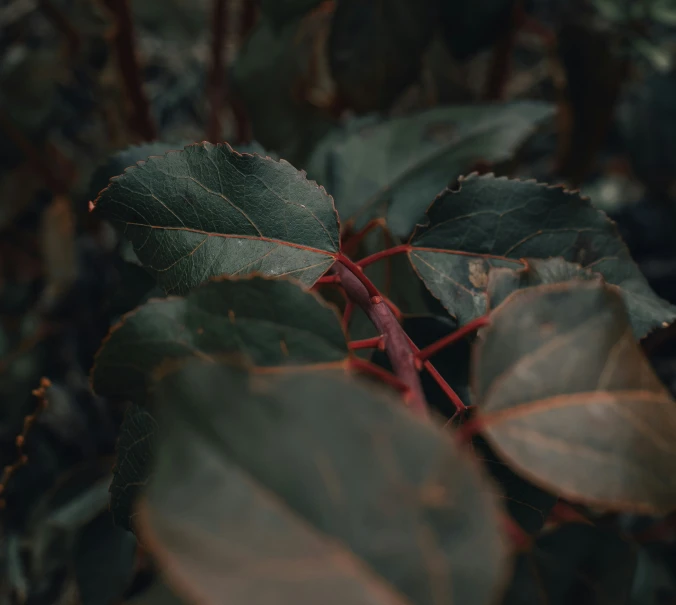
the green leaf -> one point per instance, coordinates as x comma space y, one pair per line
568, 400
133, 465
470, 27
375, 49
578, 564
316, 485
272, 322
492, 222
104, 560
270, 73
281, 11
395, 168
208, 210
536, 272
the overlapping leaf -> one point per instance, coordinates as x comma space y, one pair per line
133, 464
272, 322
492, 222
396, 168
536, 272
307, 487
208, 210
567, 399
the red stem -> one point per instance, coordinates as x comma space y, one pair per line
216, 88
365, 262
377, 342
347, 315
328, 279
367, 367
141, 120
448, 340
439, 379
351, 241
359, 274
362, 292
41, 394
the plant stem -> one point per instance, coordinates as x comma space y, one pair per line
140, 121
500, 68
352, 240
448, 340
377, 342
216, 88
41, 394
372, 369
439, 379
365, 262
360, 291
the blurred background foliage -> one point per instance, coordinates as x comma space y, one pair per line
375, 99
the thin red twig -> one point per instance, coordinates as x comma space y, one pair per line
140, 120
372, 369
41, 394
328, 279
351, 240
563, 512
448, 340
369, 260
359, 274
517, 535
216, 87
438, 378
377, 342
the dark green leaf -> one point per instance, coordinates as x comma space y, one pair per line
104, 561
490, 221
375, 49
470, 26
568, 400
536, 272
397, 167
272, 322
655, 581
208, 210
118, 162
574, 564
270, 75
133, 465
317, 490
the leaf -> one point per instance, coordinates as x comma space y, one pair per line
375, 49
270, 74
133, 465
568, 400
574, 564
272, 322
470, 27
535, 272
104, 560
208, 210
293, 513
492, 222
395, 168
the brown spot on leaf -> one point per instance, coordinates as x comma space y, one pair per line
478, 273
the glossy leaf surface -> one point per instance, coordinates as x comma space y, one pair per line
208, 210
493, 222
